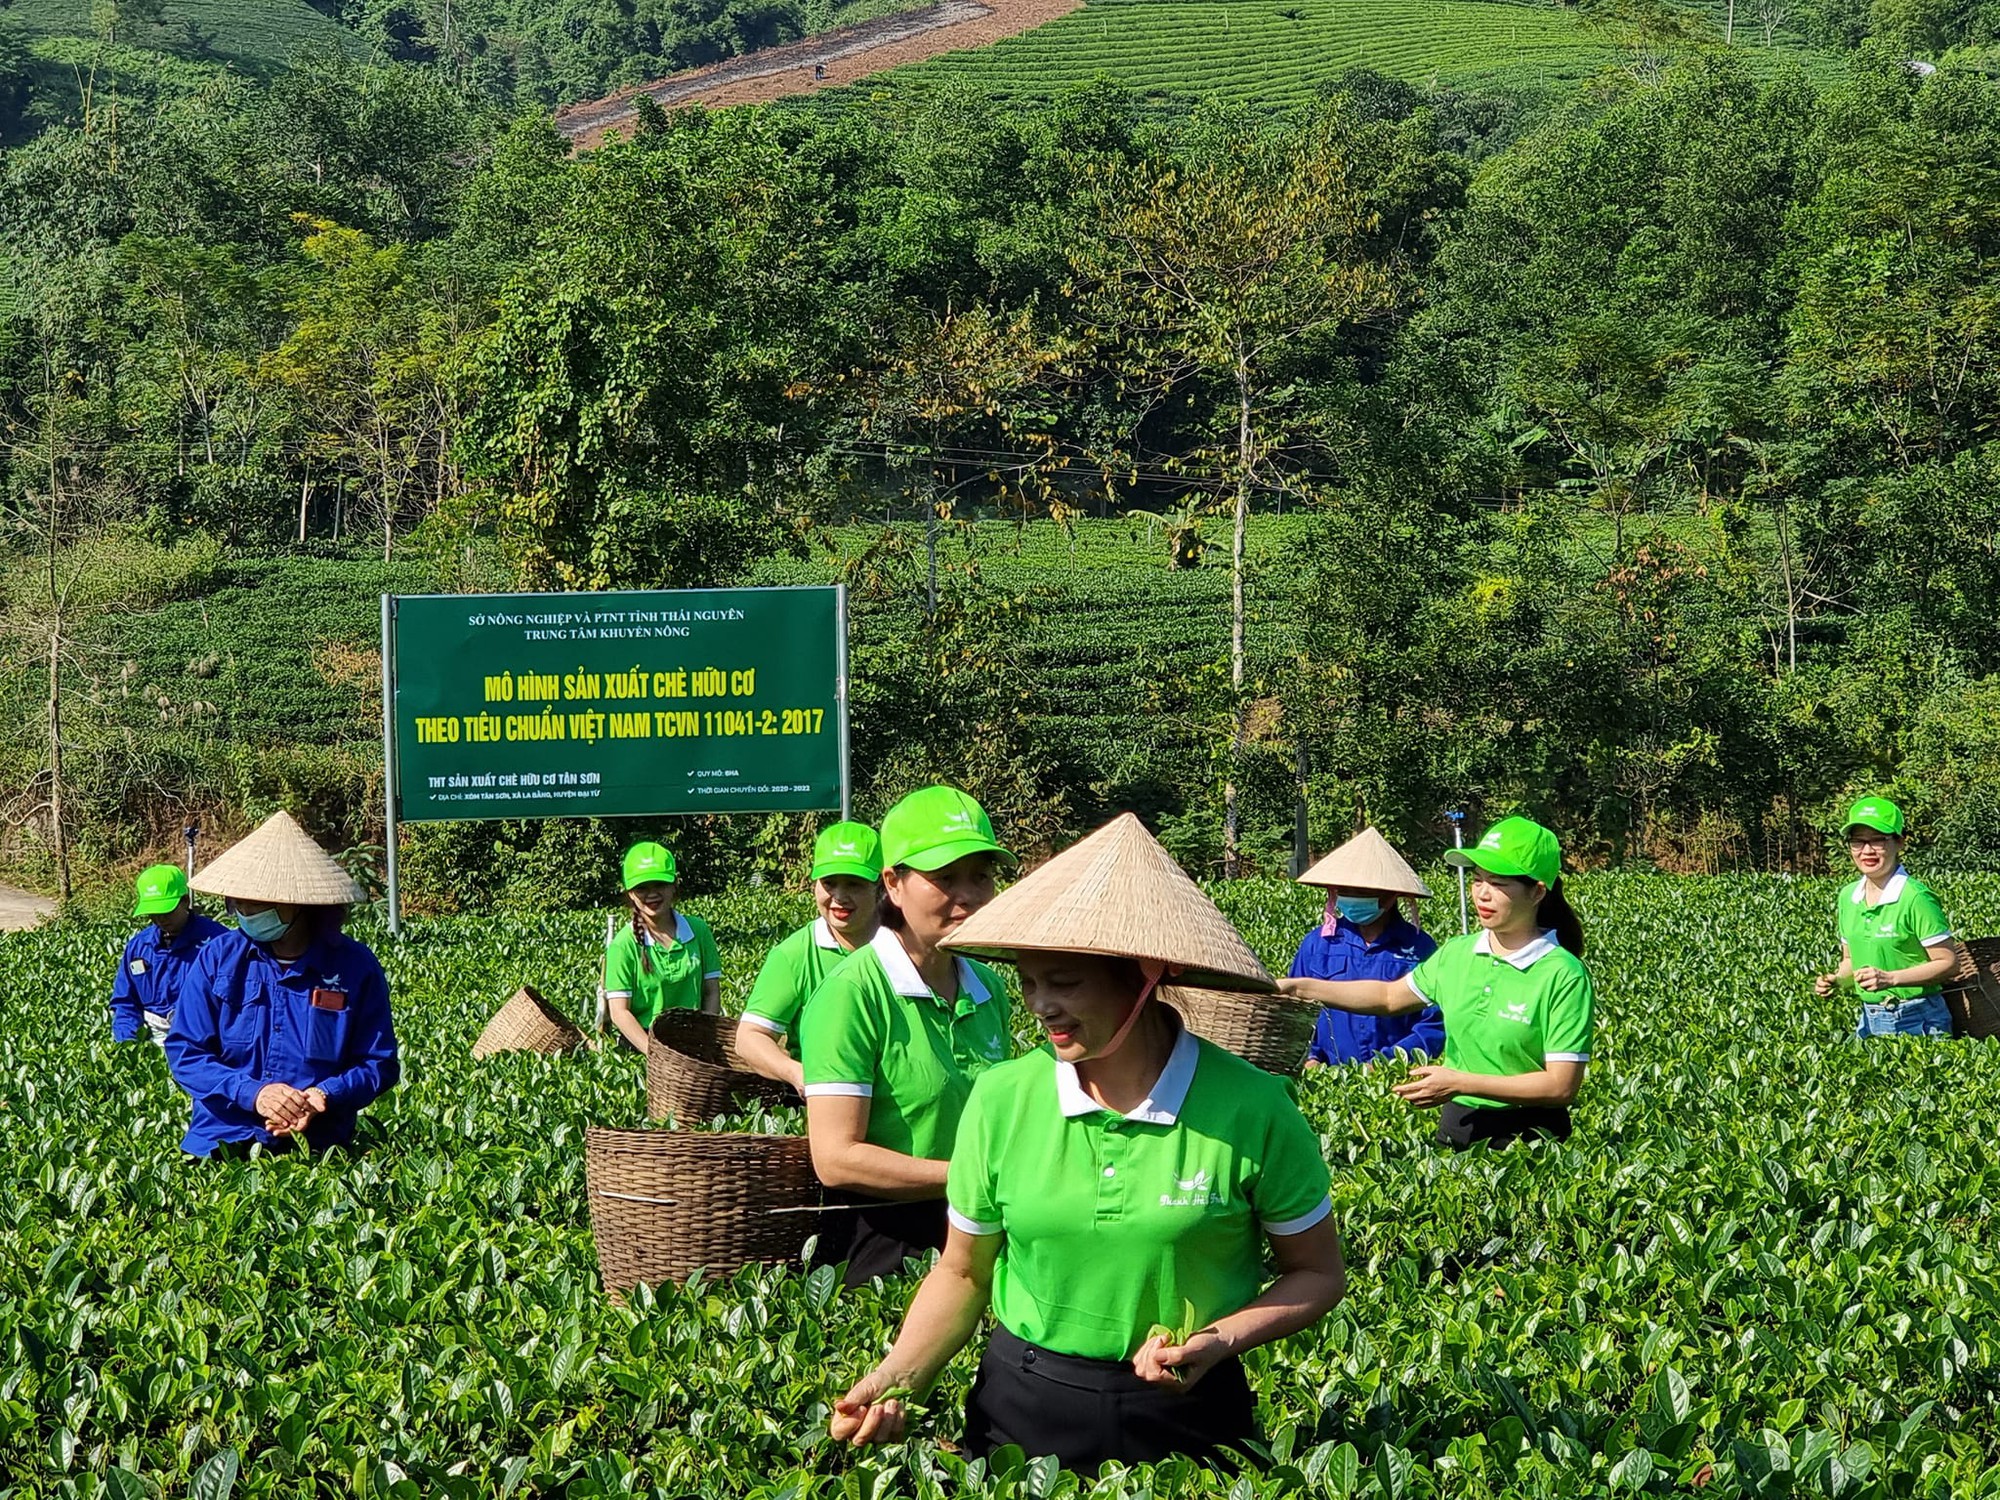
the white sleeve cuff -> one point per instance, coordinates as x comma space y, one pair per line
840, 1091
1304, 1221
1933, 942
1549, 1057
1411, 981
713, 974
618, 994
763, 1023
959, 1221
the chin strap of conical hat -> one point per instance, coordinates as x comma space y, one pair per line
1155, 971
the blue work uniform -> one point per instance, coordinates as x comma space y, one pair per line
1340, 1037
149, 975
245, 1019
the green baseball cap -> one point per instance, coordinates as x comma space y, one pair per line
930, 828
1516, 847
647, 862
1878, 813
847, 849
159, 888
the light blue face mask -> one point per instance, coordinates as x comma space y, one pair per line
264, 926
1360, 910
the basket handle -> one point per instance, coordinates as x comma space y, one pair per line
804, 1208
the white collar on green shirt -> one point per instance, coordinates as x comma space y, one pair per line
904, 978
1160, 1107
1523, 957
823, 934
1892, 892
683, 931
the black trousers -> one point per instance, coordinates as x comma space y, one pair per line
882, 1235
1088, 1412
1464, 1125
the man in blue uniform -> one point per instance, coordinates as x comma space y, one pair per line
158, 954
1366, 936
282, 1031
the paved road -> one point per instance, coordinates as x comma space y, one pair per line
19, 909
849, 53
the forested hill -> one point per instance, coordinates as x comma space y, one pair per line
1638, 449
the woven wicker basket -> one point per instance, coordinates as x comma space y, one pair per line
1272, 1031
694, 1073
1973, 991
666, 1203
527, 1023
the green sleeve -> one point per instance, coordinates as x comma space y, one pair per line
711, 957
1571, 1015
621, 965
1924, 914
1430, 979
971, 1196
778, 992
840, 1037
1291, 1190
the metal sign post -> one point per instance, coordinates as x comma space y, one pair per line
846, 778
395, 894
1459, 841
190, 834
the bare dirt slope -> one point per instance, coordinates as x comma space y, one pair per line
22, 909
851, 53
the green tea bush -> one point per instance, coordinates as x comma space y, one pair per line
1765, 1266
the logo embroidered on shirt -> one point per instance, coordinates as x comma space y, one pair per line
1195, 1192
137, 966
1516, 1010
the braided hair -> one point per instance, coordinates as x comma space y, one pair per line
641, 935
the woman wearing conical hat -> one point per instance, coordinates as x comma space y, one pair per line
1113, 1195
281, 1033
1366, 936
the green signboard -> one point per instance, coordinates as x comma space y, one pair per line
615, 705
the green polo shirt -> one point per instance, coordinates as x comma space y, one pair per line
1894, 933
791, 972
1113, 1222
875, 1031
1508, 1016
677, 968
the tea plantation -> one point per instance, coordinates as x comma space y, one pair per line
1765, 1266
257, 36
1279, 52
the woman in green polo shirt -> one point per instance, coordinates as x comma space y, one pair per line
847, 890
1518, 1003
664, 960
1895, 946
895, 1034
1115, 1194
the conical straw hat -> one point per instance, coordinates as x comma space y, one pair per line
278, 863
1366, 862
1117, 892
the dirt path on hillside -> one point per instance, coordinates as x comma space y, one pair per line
850, 53
22, 909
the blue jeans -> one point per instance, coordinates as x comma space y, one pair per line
1927, 1015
